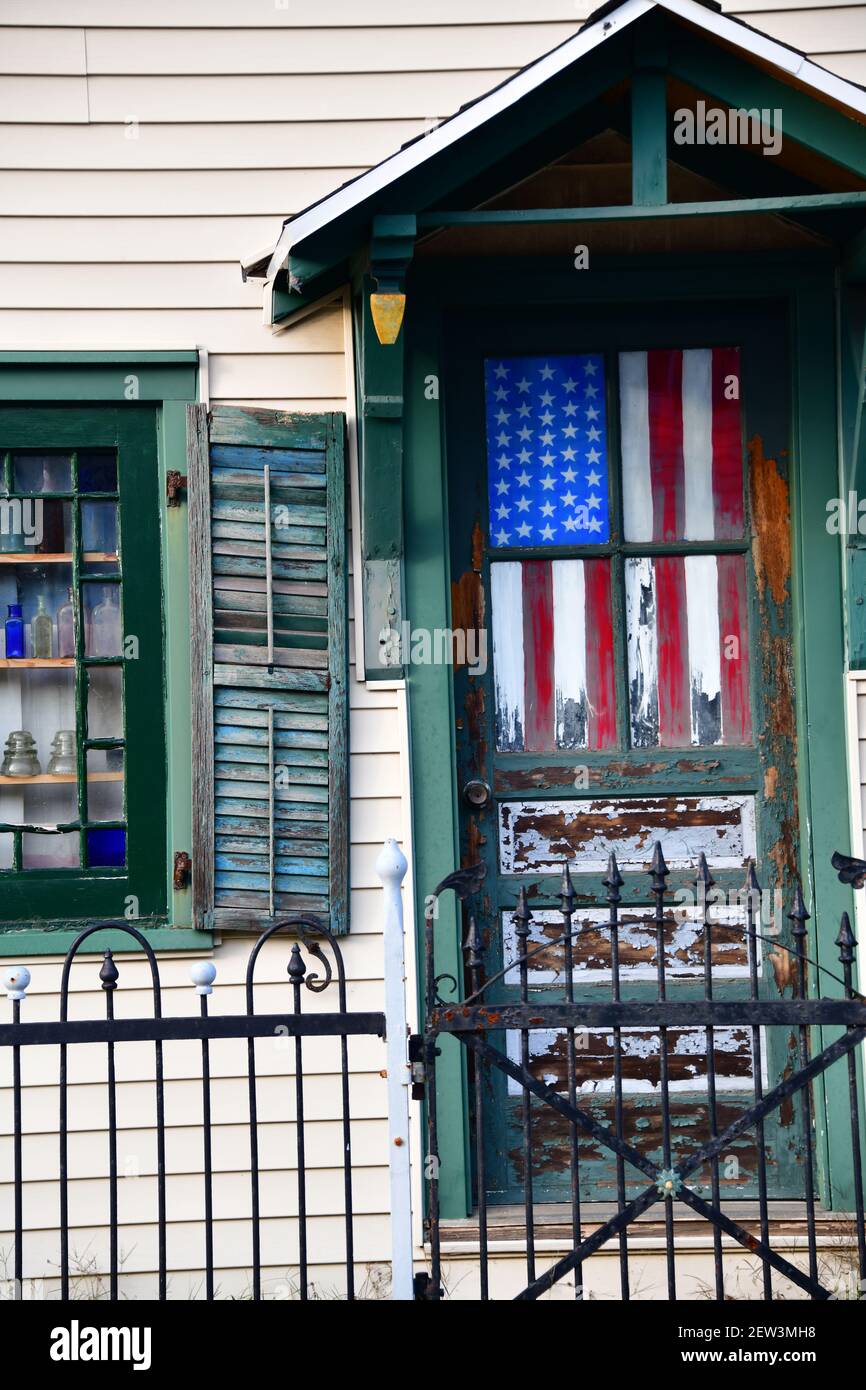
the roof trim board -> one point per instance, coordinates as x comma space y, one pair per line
596, 32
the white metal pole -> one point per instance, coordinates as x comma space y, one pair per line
390, 868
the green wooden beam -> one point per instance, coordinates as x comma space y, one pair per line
649, 116
737, 83
629, 212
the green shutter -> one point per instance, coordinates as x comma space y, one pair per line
270, 776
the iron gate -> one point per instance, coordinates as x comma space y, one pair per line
315, 966
477, 1015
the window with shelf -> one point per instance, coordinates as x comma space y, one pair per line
82, 781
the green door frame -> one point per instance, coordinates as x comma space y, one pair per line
169, 379
807, 286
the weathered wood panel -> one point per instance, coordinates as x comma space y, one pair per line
641, 1059
537, 836
684, 949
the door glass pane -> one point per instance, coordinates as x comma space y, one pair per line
688, 654
42, 472
681, 442
553, 654
60, 851
105, 784
105, 702
547, 450
102, 619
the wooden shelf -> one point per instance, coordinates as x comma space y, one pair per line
44, 779
30, 558
48, 663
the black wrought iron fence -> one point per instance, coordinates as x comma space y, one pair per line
485, 1013
315, 947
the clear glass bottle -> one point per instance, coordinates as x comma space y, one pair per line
14, 632
41, 631
105, 626
66, 628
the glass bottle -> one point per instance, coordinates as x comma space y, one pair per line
14, 632
41, 633
66, 628
105, 626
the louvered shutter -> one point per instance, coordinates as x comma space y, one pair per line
269, 701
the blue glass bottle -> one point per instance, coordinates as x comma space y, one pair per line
14, 631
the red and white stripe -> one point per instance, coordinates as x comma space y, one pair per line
688, 656
553, 654
682, 456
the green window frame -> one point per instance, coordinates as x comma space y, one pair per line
125, 385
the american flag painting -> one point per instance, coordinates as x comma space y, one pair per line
682, 453
553, 657
686, 616
547, 458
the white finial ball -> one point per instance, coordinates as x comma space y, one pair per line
203, 974
15, 981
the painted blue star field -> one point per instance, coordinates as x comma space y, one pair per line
547, 456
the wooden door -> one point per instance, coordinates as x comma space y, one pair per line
620, 535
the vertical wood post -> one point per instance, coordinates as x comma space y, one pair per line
391, 867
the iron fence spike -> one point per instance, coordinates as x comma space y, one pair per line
566, 891
109, 972
798, 914
846, 940
613, 880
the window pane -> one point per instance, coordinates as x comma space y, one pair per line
105, 784
105, 702
59, 851
42, 472
102, 619
553, 654
106, 849
97, 472
688, 656
547, 450
682, 454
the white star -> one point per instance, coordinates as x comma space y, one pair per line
593, 432
502, 417
524, 456
593, 456
590, 391
546, 418
523, 385
502, 511
501, 536
502, 486
500, 371
547, 372
592, 412
523, 504
548, 459
546, 438
568, 498
569, 408
500, 393
594, 524
569, 454
547, 532
545, 398
523, 478
524, 529
570, 385
570, 523
547, 509
570, 431
503, 439
503, 461
547, 482
590, 368
593, 478
569, 475
524, 434
593, 502
524, 410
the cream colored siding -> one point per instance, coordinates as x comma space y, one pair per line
145, 150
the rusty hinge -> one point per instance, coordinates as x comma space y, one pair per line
175, 484
182, 869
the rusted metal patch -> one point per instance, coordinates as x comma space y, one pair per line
641, 1059
536, 836
683, 946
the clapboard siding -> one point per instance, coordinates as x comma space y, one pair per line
114, 235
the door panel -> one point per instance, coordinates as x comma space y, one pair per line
619, 510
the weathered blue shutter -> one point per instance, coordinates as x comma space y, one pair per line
268, 581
